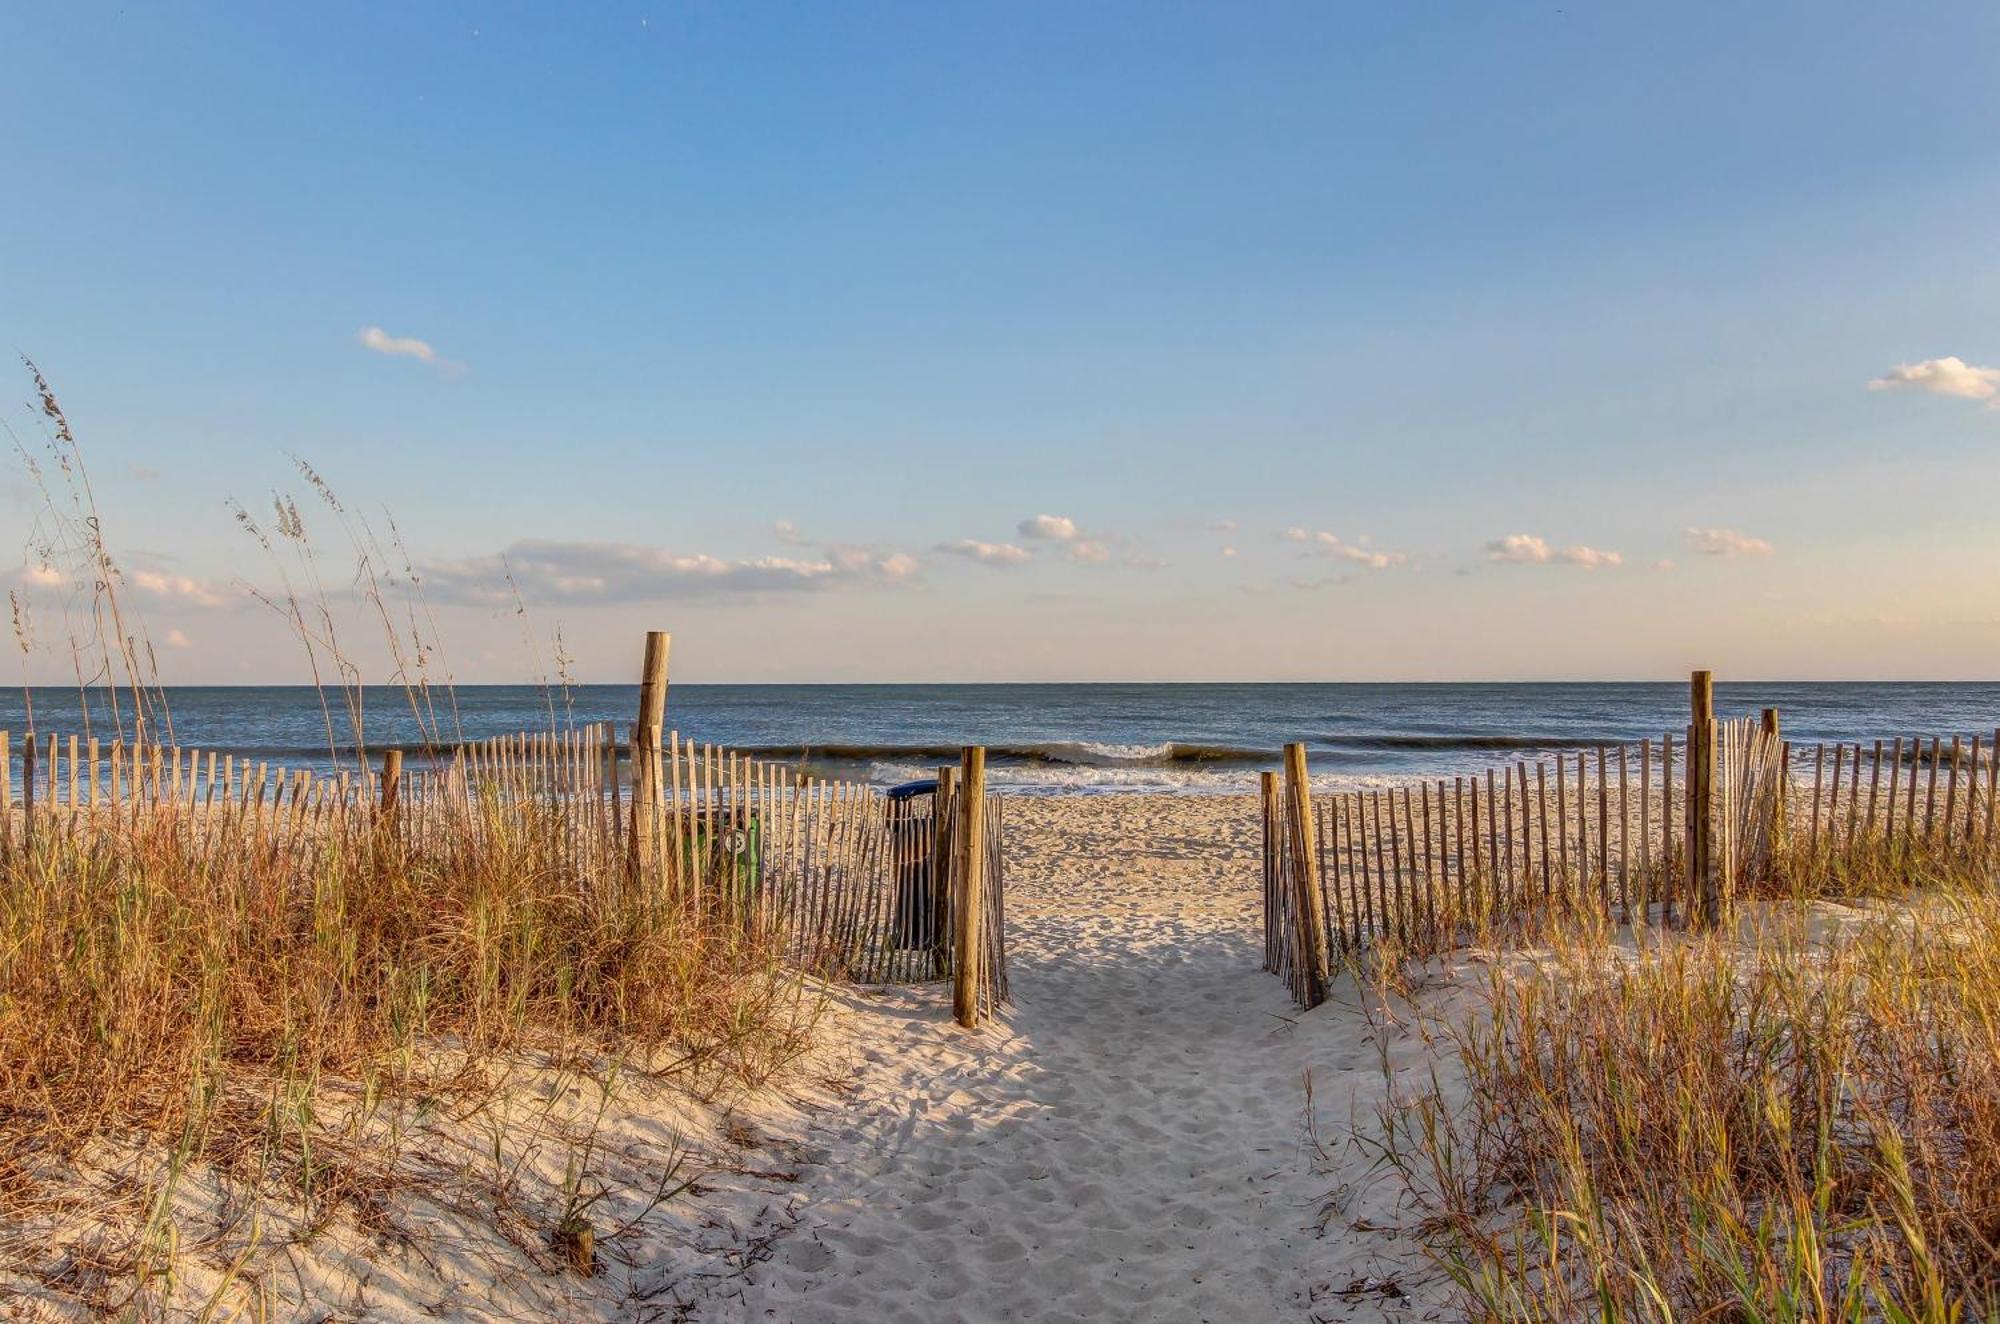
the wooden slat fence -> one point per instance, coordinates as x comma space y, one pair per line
1607, 830
846, 878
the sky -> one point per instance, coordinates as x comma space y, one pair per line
1031, 342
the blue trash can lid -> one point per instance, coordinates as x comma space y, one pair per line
910, 789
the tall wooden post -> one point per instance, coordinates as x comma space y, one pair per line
647, 736
1704, 878
968, 903
392, 782
1307, 915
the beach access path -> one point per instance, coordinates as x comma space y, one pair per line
1132, 1140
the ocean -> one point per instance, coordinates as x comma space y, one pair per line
1059, 737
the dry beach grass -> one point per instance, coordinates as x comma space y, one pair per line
1798, 1118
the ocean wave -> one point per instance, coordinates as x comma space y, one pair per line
1468, 742
1071, 779
1071, 753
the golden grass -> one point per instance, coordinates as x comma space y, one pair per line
1797, 1120
273, 997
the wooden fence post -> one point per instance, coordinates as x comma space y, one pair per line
28, 789
647, 736
1704, 880
969, 868
392, 782
944, 815
1780, 808
1307, 915
1267, 788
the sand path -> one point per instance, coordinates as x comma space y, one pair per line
1131, 1142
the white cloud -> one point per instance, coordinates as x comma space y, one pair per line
1527, 549
1591, 558
1326, 543
408, 347
896, 567
178, 588
1049, 528
155, 585
177, 638
1374, 560
1229, 553
1092, 553
1664, 565
1519, 548
987, 553
1224, 526
1726, 542
1949, 375
589, 572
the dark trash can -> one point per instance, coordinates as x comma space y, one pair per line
918, 923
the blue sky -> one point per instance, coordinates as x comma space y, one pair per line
751, 321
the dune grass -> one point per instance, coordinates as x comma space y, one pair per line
1798, 1119
272, 995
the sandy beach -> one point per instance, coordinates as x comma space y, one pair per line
1132, 1141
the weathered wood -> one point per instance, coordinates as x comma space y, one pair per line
1624, 838
1704, 880
1563, 825
1458, 858
1274, 906
1895, 782
1413, 909
1542, 813
28, 787
1930, 792
1646, 826
1356, 891
1972, 794
1391, 910
1527, 874
1910, 791
392, 782
969, 866
1583, 831
1951, 796
1492, 867
1854, 797
1874, 789
1603, 834
1993, 791
1358, 841
1819, 777
646, 754
1308, 916
1833, 801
